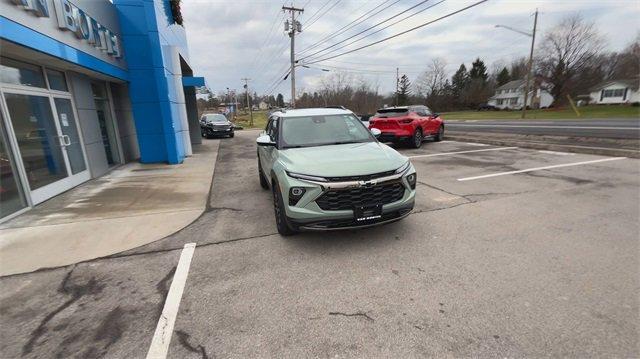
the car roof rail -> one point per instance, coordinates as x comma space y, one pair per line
336, 107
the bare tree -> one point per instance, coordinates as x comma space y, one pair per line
567, 49
432, 81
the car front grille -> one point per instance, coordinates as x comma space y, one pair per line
221, 127
345, 199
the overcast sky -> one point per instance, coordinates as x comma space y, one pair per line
230, 40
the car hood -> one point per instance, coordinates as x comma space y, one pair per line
342, 160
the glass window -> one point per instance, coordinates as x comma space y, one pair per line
20, 73
11, 198
57, 80
38, 139
68, 126
99, 90
214, 117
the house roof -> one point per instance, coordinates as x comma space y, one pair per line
631, 83
511, 85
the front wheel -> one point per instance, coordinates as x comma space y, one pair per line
439, 135
281, 216
416, 141
231, 135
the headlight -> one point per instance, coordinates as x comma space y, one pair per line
306, 177
403, 167
412, 179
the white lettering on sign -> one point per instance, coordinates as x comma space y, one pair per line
74, 19
38, 7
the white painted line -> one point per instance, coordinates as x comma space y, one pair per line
540, 168
557, 153
476, 144
162, 337
460, 152
548, 126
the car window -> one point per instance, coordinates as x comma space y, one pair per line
306, 131
215, 118
272, 130
391, 112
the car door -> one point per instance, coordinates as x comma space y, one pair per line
421, 118
268, 154
431, 125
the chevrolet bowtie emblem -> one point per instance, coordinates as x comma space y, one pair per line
367, 183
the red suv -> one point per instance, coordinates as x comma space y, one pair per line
408, 124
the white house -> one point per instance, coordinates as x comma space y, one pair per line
511, 96
263, 105
615, 92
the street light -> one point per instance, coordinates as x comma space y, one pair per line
532, 35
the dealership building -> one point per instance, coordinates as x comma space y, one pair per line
87, 85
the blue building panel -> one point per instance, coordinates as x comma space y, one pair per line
22, 35
154, 45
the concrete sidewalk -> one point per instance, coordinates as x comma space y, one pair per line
133, 205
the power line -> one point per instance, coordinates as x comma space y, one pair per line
401, 33
349, 26
384, 28
363, 31
317, 11
308, 25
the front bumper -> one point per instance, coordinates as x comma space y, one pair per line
215, 131
307, 215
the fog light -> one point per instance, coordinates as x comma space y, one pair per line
412, 180
295, 193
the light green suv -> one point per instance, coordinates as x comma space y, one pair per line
327, 171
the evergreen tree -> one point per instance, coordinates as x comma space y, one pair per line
478, 71
460, 80
404, 91
280, 100
503, 77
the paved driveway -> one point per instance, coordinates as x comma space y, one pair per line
498, 260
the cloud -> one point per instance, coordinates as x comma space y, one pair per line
245, 38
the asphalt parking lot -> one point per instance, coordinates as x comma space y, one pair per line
509, 253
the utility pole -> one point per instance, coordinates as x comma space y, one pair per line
292, 28
397, 84
530, 66
246, 92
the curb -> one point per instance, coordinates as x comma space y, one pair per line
540, 143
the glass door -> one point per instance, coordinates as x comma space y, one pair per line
12, 198
47, 143
107, 125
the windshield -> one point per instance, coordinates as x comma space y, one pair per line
215, 118
323, 130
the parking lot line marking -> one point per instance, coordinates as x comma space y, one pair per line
557, 153
547, 126
460, 152
162, 336
541, 168
476, 144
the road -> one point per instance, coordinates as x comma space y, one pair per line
601, 128
491, 263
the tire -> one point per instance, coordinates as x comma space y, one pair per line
231, 135
416, 139
439, 135
264, 183
278, 207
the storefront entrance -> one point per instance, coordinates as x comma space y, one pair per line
41, 130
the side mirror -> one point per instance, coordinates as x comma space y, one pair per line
265, 140
435, 114
376, 132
